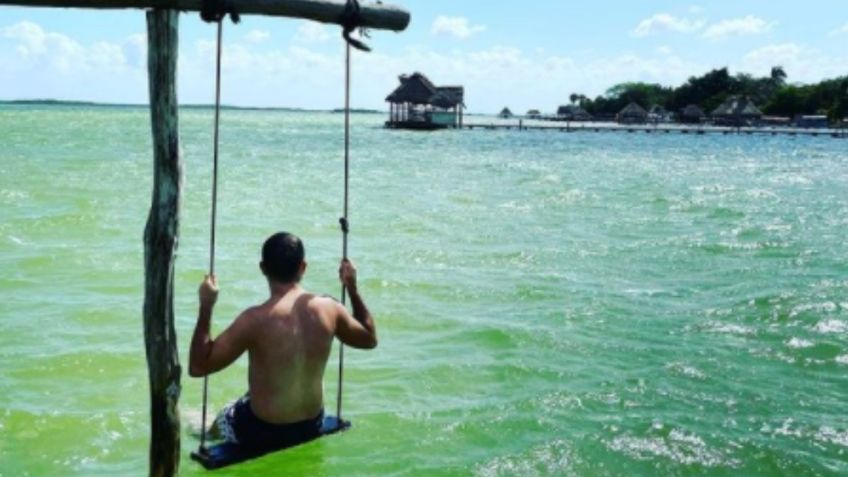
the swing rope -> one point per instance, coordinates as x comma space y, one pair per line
216, 11
351, 20
214, 214
345, 225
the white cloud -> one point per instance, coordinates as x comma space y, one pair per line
36, 47
749, 25
43, 64
135, 50
802, 63
257, 36
775, 53
458, 27
664, 22
312, 32
665, 50
304, 75
254, 75
840, 31
33, 41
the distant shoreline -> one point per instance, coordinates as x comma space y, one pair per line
93, 104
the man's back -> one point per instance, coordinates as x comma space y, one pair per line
288, 339
291, 341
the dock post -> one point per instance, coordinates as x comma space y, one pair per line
161, 236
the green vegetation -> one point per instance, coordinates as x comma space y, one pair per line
772, 93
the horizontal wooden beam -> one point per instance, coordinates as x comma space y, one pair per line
374, 15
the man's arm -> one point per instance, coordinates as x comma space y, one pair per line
209, 356
359, 330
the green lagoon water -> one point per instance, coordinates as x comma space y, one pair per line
549, 304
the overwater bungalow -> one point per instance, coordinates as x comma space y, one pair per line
505, 113
572, 112
692, 114
633, 114
419, 104
534, 114
737, 111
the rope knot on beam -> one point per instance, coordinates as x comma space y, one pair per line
213, 11
350, 20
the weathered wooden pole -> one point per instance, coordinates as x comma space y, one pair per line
160, 244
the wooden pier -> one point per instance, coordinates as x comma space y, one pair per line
653, 129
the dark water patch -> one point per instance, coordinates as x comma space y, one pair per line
725, 213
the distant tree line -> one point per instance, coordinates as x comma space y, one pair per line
772, 94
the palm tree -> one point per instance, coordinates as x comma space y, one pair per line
778, 75
574, 97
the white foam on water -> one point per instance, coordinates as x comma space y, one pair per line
831, 326
842, 359
748, 246
570, 196
731, 328
551, 458
686, 370
778, 228
790, 178
761, 194
16, 240
831, 435
713, 188
786, 429
824, 307
644, 291
799, 343
514, 205
13, 195
679, 447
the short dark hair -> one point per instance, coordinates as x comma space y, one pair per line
282, 255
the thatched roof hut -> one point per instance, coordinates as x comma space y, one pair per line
505, 113
692, 114
455, 95
534, 114
572, 112
419, 104
632, 114
414, 89
737, 111
418, 89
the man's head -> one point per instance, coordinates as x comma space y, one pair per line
282, 258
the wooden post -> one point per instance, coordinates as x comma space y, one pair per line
160, 244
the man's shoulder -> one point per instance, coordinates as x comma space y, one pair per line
322, 300
252, 312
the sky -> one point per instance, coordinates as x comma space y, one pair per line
522, 55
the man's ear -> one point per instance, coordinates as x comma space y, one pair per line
262, 267
302, 270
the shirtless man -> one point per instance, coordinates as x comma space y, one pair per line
288, 340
